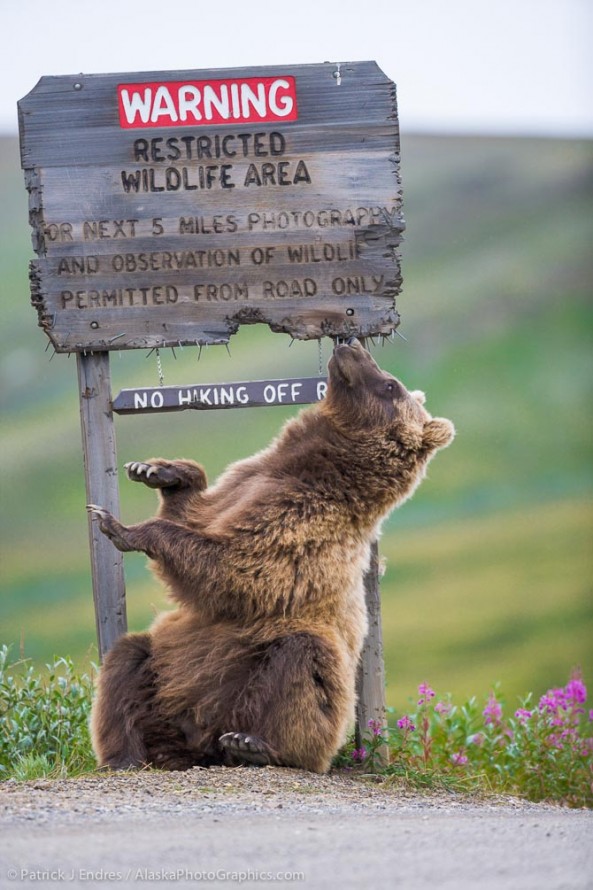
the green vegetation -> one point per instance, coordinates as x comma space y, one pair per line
543, 752
43, 720
489, 566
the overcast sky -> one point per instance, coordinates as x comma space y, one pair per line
491, 66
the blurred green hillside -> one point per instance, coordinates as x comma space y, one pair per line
489, 567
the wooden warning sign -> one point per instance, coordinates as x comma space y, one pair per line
170, 208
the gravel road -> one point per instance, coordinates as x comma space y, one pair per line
251, 827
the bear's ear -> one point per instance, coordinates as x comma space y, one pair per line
419, 396
437, 433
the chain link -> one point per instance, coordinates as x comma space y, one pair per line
159, 368
320, 357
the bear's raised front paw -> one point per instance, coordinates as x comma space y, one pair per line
152, 475
117, 533
164, 475
248, 749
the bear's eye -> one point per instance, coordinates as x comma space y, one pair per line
390, 387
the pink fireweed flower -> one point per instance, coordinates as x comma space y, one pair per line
575, 690
443, 707
406, 724
547, 703
492, 713
426, 693
376, 726
523, 715
459, 758
359, 754
478, 739
553, 700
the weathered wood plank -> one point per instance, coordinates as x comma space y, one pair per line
211, 396
83, 106
133, 328
100, 467
353, 198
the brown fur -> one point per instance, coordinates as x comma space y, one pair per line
267, 568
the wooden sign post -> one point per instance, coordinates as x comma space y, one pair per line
100, 466
171, 208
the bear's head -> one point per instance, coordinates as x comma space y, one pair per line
361, 398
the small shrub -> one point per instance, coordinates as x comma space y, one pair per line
43, 720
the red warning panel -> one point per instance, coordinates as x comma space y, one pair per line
194, 103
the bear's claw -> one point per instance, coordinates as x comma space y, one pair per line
136, 469
111, 528
248, 748
100, 511
154, 476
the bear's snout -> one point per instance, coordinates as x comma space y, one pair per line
352, 361
348, 347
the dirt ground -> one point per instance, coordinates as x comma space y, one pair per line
250, 827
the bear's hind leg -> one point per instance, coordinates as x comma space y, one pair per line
125, 695
128, 728
293, 708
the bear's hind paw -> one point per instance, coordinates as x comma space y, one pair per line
248, 749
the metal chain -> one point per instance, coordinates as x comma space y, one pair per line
320, 358
159, 368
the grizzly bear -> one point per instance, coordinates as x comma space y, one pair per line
258, 663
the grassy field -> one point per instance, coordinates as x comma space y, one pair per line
489, 566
